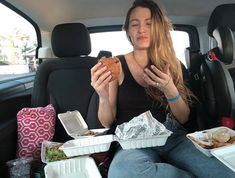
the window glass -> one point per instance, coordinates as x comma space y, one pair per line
117, 43
18, 44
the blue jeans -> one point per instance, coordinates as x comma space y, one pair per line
178, 158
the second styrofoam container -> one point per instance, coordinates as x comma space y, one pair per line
82, 167
202, 135
153, 141
226, 155
90, 145
87, 145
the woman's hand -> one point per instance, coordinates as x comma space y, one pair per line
100, 79
161, 79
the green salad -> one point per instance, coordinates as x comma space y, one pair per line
54, 154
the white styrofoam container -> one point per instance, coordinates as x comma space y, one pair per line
226, 155
82, 167
202, 135
76, 126
73, 123
87, 145
153, 141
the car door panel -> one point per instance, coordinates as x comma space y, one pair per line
14, 95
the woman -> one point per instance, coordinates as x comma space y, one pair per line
151, 79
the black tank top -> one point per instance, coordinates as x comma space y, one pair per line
132, 99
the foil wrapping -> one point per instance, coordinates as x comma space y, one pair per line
141, 126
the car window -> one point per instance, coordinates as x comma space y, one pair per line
18, 42
117, 43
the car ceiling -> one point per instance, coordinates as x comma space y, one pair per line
48, 13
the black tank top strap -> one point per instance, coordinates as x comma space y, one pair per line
128, 76
123, 61
124, 65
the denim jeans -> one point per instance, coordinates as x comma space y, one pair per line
178, 158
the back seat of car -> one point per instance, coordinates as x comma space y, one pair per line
64, 81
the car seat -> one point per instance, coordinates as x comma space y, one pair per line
217, 85
223, 15
65, 80
194, 60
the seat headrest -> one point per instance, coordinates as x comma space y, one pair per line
223, 15
225, 43
70, 40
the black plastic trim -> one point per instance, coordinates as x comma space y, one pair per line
16, 87
193, 34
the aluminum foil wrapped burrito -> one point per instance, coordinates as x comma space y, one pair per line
142, 126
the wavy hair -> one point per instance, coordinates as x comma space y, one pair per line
161, 50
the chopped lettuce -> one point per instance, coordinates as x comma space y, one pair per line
54, 154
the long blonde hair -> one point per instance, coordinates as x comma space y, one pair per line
161, 50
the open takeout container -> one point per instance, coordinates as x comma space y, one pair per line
87, 145
158, 140
56, 156
76, 126
203, 135
82, 167
90, 145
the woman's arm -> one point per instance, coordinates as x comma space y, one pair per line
163, 81
107, 106
107, 91
177, 105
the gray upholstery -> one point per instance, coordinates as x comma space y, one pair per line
65, 81
225, 44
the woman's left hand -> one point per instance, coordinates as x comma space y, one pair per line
160, 79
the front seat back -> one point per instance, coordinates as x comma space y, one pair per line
217, 84
65, 80
222, 15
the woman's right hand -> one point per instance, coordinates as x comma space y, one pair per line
100, 79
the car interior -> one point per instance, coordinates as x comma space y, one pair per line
64, 32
